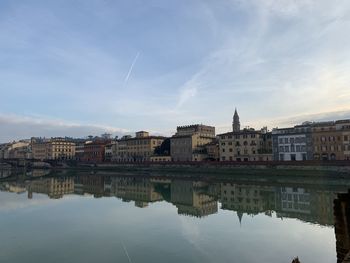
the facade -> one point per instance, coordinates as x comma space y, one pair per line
39, 148
213, 150
52, 149
60, 149
94, 151
246, 145
137, 149
327, 141
292, 144
188, 144
18, 150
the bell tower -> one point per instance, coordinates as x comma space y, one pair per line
236, 125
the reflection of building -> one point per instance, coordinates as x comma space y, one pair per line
191, 198
90, 184
54, 187
140, 190
250, 199
188, 144
342, 227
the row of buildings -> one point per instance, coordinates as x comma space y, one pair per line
308, 141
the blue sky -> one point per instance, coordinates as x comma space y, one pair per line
84, 67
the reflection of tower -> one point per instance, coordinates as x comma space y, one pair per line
236, 125
342, 227
240, 216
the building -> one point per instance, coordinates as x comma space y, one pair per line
293, 144
18, 150
94, 151
39, 148
60, 149
137, 149
327, 141
246, 145
188, 144
212, 150
344, 126
52, 149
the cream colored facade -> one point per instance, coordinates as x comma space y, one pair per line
137, 149
188, 144
59, 148
245, 145
52, 149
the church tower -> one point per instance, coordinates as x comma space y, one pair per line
236, 125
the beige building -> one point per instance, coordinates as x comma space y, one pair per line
331, 140
52, 149
188, 144
60, 148
246, 145
137, 149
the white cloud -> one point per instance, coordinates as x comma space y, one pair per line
19, 127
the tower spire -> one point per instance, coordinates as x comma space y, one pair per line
236, 125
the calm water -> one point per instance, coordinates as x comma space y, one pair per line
116, 218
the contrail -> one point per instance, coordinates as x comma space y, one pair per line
126, 253
130, 69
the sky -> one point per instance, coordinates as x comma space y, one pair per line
81, 67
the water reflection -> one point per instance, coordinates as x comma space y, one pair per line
192, 197
322, 203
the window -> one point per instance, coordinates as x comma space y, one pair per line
280, 141
286, 149
292, 148
285, 140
